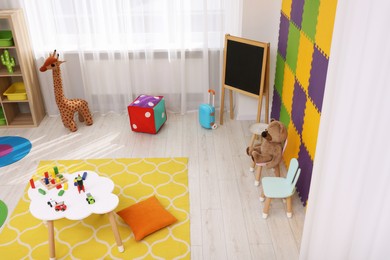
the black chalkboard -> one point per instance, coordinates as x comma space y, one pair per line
244, 64
245, 70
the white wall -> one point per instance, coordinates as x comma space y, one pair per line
260, 22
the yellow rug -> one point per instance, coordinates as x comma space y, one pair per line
135, 180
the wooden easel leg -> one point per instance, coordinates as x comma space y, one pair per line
116, 232
231, 104
52, 249
221, 110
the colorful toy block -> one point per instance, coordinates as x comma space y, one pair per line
147, 114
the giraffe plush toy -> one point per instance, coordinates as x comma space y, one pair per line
67, 107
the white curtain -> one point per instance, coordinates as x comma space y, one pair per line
118, 49
348, 215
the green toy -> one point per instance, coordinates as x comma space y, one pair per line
8, 61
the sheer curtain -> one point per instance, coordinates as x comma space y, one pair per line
349, 202
118, 49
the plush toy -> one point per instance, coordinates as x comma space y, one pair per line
67, 107
269, 150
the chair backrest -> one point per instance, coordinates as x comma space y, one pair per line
293, 172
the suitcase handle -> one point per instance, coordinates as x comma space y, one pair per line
211, 91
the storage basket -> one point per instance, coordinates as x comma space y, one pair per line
16, 91
6, 39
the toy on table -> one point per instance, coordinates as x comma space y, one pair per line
60, 206
147, 114
67, 107
7, 61
55, 180
78, 181
90, 199
32, 184
51, 202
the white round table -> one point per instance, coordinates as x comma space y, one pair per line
77, 206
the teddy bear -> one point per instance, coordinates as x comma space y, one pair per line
270, 149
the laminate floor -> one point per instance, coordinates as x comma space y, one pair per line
226, 214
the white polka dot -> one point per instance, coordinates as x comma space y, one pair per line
134, 126
142, 95
150, 104
136, 102
163, 115
147, 114
157, 97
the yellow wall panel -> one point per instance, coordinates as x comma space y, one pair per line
324, 30
288, 88
310, 128
286, 7
305, 56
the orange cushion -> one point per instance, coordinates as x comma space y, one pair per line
146, 217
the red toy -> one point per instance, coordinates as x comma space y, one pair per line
60, 206
147, 114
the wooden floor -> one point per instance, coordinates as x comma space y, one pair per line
226, 220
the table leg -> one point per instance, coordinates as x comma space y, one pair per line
52, 250
116, 232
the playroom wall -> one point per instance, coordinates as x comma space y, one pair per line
260, 22
305, 36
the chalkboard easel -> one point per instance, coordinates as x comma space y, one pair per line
245, 70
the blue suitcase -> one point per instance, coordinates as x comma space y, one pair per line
207, 113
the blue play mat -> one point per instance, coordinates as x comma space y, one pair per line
12, 149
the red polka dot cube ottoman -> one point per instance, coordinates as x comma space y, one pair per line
147, 114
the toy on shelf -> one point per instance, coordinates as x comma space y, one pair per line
67, 107
78, 181
147, 114
8, 61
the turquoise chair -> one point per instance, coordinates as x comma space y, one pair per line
280, 188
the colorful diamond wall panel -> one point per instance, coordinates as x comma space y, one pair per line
325, 23
276, 105
309, 18
293, 144
283, 35
284, 116
298, 107
318, 79
305, 35
288, 88
311, 123
292, 46
296, 12
306, 165
305, 54
286, 7
280, 74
